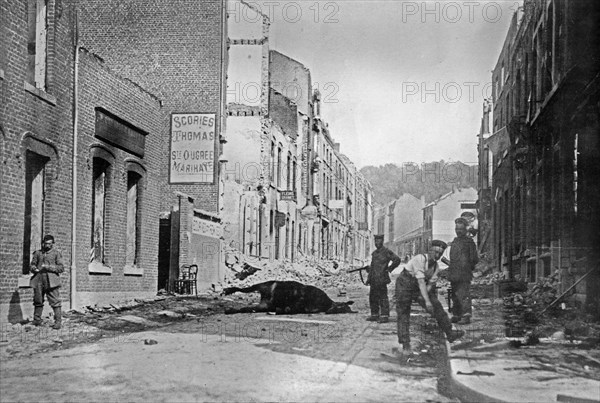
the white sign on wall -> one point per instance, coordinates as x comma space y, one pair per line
192, 158
337, 204
207, 228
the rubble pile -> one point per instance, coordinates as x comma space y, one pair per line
532, 312
489, 279
245, 271
544, 292
133, 303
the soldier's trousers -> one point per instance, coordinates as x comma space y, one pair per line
42, 288
461, 298
407, 291
378, 300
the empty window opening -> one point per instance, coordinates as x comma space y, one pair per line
37, 43
34, 205
133, 218
99, 191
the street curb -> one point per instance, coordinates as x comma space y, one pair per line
457, 389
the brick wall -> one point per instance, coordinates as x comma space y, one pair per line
290, 78
284, 113
174, 49
102, 88
38, 119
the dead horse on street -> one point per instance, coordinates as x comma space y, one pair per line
289, 297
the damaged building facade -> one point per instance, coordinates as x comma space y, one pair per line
87, 124
281, 168
342, 196
539, 165
36, 144
260, 165
181, 58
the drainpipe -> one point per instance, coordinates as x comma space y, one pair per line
74, 170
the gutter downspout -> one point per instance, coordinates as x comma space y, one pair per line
74, 170
222, 129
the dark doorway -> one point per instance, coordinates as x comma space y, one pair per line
35, 194
164, 252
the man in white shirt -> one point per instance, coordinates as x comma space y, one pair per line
418, 282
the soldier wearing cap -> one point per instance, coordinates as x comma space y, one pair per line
463, 258
383, 261
418, 282
46, 266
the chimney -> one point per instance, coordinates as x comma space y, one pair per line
485, 123
317, 103
336, 147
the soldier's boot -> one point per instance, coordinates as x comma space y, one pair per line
37, 315
57, 318
455, 335
465, 320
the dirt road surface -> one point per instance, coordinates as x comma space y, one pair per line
244, 357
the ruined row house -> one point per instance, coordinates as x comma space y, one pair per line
92, 94
281, 169
539, 162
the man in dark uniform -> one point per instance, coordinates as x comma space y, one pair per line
418, 282
46, 265
463, 258
383, 261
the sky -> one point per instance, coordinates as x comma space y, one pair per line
401, 81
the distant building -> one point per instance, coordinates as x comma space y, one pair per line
398, 218
410, 243
439, 215
341, 195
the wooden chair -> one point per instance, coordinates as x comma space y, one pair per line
187, 283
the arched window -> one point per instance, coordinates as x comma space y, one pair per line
135, 177
38, 156
102, 161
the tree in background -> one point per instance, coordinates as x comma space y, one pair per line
429, 179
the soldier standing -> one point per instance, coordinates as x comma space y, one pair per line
46, 265
383, 261
463, 258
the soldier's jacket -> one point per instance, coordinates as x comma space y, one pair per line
379, 271
54, 266
463, 258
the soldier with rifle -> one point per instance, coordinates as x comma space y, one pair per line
383, 261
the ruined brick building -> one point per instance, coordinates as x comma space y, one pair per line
89, 92
539, 165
